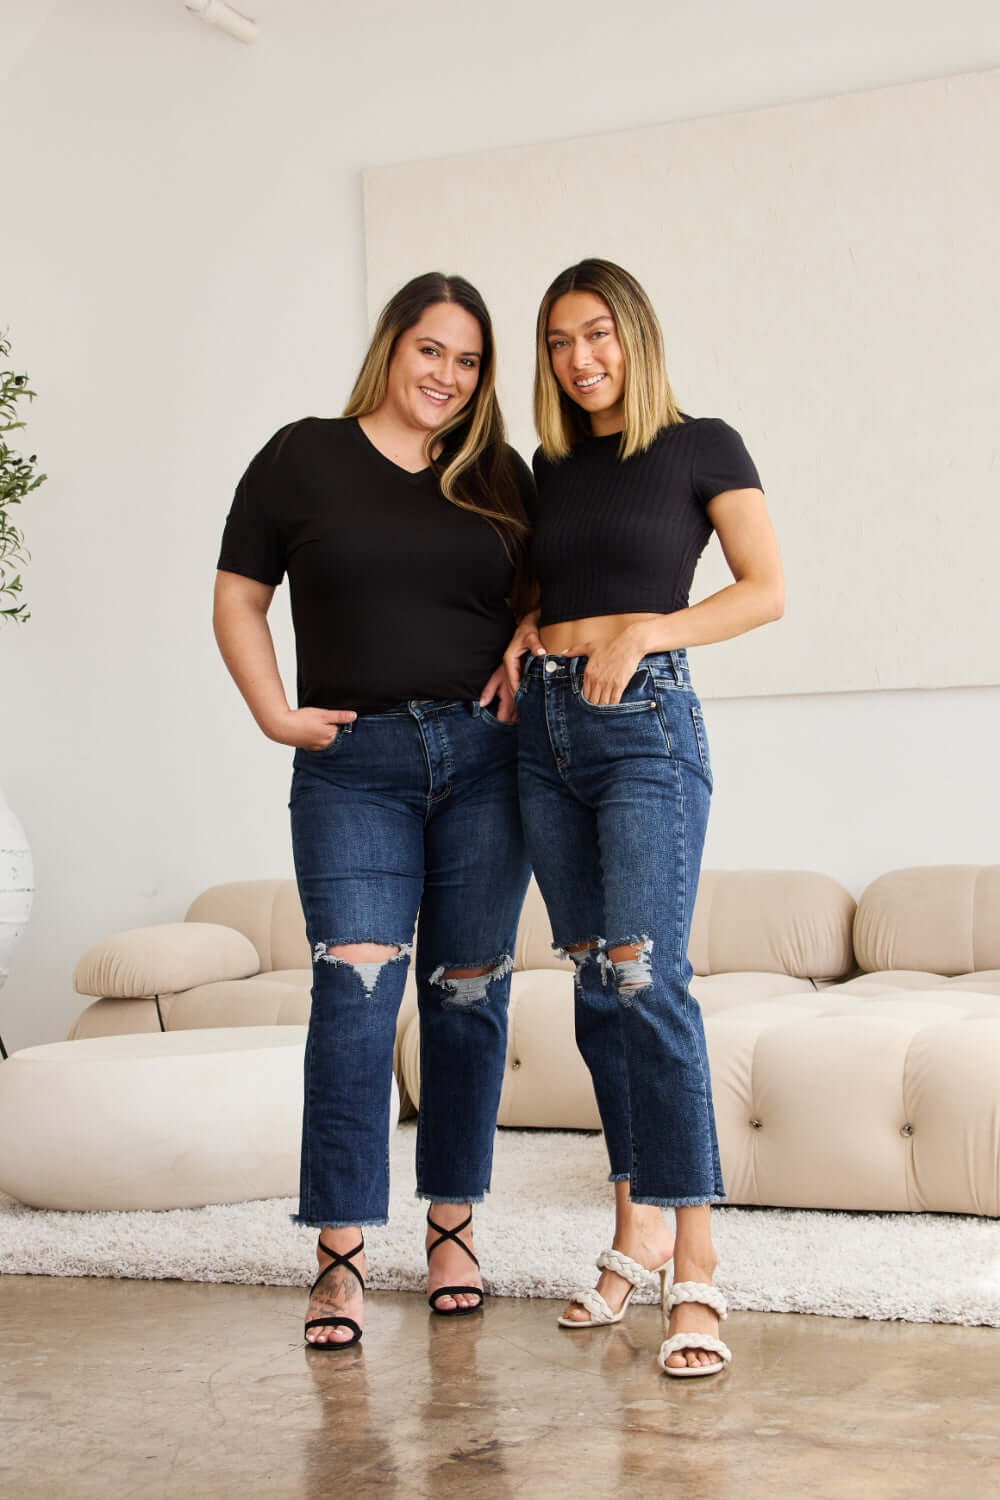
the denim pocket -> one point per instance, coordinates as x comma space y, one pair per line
343, 731
636, 698
701, 738
491, 718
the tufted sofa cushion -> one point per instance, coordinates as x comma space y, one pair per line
828, 1100
942, 919
884, 1103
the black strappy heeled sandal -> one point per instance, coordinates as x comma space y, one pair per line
336, 1260
452, 1291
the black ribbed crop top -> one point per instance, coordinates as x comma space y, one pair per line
618, 537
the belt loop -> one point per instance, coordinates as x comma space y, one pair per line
675, 663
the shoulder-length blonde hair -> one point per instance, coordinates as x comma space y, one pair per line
474, 466
649, 401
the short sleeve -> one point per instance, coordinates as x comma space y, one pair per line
252, 542
721, 461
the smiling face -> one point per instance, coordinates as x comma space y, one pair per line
434, 370
587, 358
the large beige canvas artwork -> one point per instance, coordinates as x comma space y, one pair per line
826, 275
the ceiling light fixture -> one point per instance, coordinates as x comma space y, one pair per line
231, 21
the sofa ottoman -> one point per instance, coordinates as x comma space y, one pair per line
162, 1120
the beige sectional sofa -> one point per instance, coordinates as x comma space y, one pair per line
855, 1048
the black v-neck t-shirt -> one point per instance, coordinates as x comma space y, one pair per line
396, 593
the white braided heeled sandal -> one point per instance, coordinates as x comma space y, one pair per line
679, 1343
590, 1299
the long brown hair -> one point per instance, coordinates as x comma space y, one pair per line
474, 467
648, 399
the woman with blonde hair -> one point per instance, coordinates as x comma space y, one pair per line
615, 775
401, 526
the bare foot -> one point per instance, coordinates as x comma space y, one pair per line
644, 1238
449, 1265
693, 1317
339, 1294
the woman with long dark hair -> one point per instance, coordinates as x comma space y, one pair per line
401, 526
614, 763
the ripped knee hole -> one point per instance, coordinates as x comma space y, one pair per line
624, 952
466, 987
363, 953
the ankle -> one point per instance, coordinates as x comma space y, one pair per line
640, 1221
695, 1267
339, 1241
448, 1215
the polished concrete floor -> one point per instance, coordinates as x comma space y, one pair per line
122, 1389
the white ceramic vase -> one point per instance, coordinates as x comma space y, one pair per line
17, 884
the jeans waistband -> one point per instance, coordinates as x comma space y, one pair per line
419, 708
671, 663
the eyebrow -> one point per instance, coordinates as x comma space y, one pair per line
466, 353
601, 318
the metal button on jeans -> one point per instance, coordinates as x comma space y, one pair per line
551, 666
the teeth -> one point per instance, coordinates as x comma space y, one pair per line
585, 385
435, 395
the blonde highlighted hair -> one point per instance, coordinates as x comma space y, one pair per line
474, 466
648, 399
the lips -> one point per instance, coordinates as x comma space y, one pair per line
589, 382
439, 398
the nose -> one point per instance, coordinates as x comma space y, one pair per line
581, 354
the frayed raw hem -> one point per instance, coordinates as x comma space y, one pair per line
470, 1198
677, 1202
337, 1223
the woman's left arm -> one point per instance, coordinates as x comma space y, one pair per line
756, 595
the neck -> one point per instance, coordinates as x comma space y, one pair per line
399, 440
604, 423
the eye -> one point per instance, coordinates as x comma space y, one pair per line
599, 333
428, 349
470, 364
555, 344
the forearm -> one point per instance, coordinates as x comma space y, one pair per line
244, 639
735, 609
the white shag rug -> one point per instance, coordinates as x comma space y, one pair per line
537, 1235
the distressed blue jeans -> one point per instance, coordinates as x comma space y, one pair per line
414, 808
615, 805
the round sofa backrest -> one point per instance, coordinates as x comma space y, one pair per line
942, 919
793, 922
268, 912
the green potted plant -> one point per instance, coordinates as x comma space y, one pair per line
17, 479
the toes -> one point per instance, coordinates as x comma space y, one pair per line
328, 1336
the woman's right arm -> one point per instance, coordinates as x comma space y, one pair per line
244, 636
525, 640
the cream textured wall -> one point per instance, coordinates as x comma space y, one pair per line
181, 270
